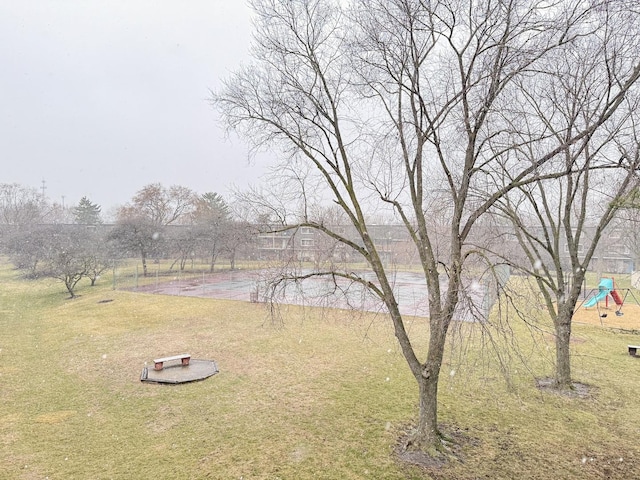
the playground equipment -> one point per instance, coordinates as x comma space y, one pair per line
606, 288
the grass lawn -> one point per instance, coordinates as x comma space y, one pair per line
323, 395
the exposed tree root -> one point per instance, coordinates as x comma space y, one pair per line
416, 452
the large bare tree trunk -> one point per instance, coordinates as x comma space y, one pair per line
427, 436
562, 324
563, 350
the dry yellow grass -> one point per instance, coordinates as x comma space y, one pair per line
324, 395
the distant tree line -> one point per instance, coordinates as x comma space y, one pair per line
45, 240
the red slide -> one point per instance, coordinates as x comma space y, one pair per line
616, 297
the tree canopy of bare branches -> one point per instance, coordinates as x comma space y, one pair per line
20, 205
140, 223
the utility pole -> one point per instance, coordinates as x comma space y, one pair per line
44, 187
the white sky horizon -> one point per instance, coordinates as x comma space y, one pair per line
101, 98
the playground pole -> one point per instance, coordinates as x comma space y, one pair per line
613, 289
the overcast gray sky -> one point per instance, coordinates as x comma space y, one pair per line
102, 97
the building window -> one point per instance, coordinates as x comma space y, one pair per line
620, 249
580, 248
306, 230
306, 242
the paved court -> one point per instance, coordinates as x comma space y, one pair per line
243, 285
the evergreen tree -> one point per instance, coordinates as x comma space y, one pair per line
87, 213
211, 209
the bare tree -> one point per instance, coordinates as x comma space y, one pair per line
236, 237
66, 258
162, 206
57, 213
20, 205
140, 224
628, 224
68, 253
559, 221
559, 224
28, 247
211, 218
97, 254
135, 234
394, 103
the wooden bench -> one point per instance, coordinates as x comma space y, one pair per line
184, 358
633, 350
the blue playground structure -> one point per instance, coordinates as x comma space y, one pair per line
606, 288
